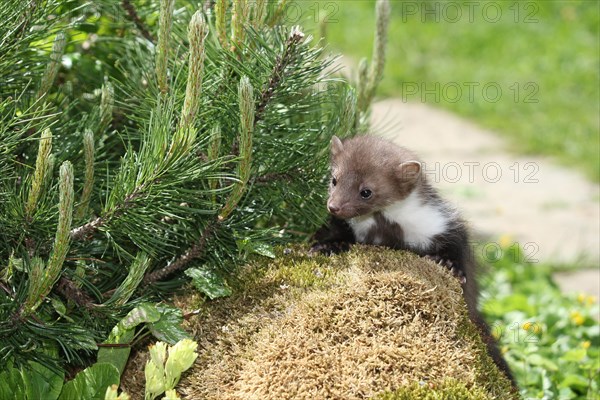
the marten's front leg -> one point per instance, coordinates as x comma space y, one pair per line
334, 237
457, 272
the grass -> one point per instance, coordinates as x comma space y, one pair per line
542, 55
551, 340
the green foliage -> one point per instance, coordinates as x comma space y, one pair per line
208, 283
91, 383
30, 383
164, 371
187, 139
35, 381
450, 389
550, 340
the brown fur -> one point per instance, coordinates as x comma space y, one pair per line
370, 162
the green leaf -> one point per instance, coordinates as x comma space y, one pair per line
249, 245
168, 327
566, 393
117, 356
91, 383
209, 283
536, 359
145, 312
573, 380
36, 382
181, 357
574, 355
11, 384
61, 309
263, 249
42, 383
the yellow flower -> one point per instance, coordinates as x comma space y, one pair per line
505, 241
591, 300
586, 345
577, 318
532, 326
496, 334
583, 299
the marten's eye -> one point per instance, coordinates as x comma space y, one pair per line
365, 193
333, 181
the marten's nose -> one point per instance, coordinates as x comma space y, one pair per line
333, 208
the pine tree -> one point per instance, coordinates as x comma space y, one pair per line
144, 144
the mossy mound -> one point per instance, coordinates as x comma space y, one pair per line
369, 323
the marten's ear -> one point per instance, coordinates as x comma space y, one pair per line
336, 146
409, 170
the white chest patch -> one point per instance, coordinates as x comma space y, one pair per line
419, 222
361, 227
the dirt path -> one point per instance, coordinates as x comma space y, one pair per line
550, 211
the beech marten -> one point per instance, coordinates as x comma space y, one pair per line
378, 195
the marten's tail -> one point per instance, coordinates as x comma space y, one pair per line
492, 347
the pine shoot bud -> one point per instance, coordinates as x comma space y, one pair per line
246, 99
88, 182
58, 49
221, 21
239, 18
106, 104
162, 51
41, 171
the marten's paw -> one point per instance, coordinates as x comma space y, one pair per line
329, 249
457, 272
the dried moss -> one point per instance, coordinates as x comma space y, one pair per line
354, 326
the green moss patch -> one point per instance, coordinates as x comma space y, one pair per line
371, 322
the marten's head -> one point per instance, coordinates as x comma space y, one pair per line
368, 174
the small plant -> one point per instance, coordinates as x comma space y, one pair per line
164, 371
550, 340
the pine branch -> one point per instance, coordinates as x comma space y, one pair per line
369, 77
194, 252
197, 32
69, 290
137, 269
106, 105
134, 17
246, 101
281, 64
86, 230
382, 16
272, 177
89, 228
